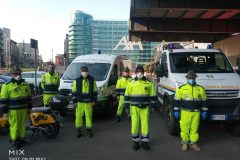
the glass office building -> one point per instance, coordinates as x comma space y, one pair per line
107, 34
80, 35
87, 36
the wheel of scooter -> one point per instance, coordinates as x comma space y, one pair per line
51, 131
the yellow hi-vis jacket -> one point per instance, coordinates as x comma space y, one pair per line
15, 95
122, 85
191, 98
50, 83
84, 89
140, 93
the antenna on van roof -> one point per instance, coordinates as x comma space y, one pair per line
99, 51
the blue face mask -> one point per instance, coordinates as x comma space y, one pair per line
191, 81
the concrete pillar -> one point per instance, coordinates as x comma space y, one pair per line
231, 47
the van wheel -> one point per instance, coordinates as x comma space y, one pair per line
233, 128
172, 123
160, 107
109, 108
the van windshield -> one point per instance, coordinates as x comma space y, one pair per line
98, 70
212, 62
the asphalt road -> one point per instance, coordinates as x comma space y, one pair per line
112, 141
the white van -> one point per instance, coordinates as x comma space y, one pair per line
215, 74
105, 69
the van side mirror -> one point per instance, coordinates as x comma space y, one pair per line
159, 71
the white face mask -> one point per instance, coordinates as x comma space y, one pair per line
84, 74
139, 75
17, 78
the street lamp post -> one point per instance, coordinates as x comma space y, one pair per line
52, 55
6, 49
7, 52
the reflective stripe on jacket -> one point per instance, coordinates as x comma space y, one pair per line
140, 93
15, 95
50, 83
190, 97
121, 85
85, 90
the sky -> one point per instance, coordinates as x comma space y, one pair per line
48, 20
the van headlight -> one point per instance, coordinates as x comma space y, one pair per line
178, 84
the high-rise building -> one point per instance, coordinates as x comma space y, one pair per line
87, 36
107, 34
27, 55
14, 54
5, 50
1, 48
80, 35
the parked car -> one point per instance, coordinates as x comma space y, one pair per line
6, 74
30, 78
3, 79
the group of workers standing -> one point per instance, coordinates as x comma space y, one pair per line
16, 101
137, 96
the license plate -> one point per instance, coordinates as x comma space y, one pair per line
219, 117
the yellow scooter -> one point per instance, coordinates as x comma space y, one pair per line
3, 125
45, 120
40, 120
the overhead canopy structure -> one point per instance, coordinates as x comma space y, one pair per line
184, 20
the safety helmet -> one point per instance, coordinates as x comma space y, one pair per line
191, 74
15, 70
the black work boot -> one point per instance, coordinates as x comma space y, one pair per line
90, 132
15, 145
136, 146
146, 146
22, 142
79, 133
118, 119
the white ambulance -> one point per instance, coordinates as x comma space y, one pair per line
215, 74
105, 69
